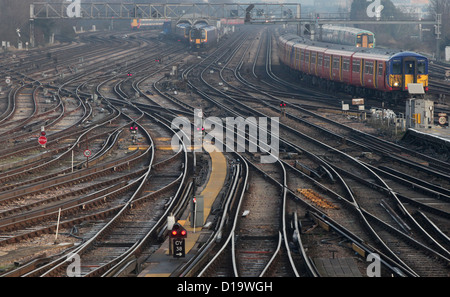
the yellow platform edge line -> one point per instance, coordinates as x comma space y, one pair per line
157, 274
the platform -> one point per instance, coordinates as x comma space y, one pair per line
161, 263
437, 134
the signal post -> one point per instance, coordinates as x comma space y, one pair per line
177, 246
42, 139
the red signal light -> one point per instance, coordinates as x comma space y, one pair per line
43, 133
178, 231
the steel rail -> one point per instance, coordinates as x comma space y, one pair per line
233, 112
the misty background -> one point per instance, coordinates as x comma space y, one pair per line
14, 14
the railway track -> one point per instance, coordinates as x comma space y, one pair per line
42, 213
331, 190
244, 111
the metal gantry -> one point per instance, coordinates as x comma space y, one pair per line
252, 13
104, 10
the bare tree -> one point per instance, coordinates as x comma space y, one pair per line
14, 15
442, 7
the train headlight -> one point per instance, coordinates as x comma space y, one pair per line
396, 84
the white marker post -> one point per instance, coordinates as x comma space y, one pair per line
57, 225
195, 210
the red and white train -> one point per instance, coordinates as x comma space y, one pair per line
358, 71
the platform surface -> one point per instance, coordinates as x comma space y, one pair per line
438, 133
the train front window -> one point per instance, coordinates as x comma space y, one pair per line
396, 68
370, 38
409, 67
421, 67
195, 34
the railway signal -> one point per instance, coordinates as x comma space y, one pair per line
129, 74
178, 231
42, 139
134, 128
282, 108
177, 235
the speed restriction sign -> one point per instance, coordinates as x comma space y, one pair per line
87, 153
442, 118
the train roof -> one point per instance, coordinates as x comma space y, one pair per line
347, 29
183, 25
200, 25
408, 54
207, 27
372, 56
358, 52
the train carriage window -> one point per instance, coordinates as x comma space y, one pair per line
397, 68
368, 67
335, 62
421, 67
313, 58
346, 64
380, 69
356, 66
326, 61
319, 62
